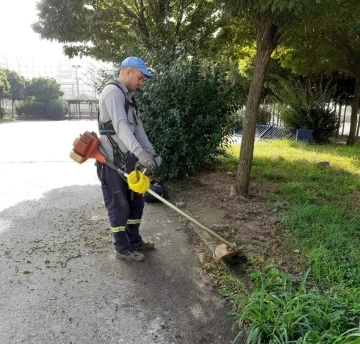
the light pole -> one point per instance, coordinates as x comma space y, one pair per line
77, 84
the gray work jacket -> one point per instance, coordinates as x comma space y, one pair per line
130, 134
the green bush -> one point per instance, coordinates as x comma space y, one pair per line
55, 110
188, 110
305, 105
31, 109
319, 119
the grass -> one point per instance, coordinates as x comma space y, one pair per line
320, 207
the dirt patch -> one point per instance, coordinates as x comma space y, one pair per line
248, 221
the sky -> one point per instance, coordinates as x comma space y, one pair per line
16, 35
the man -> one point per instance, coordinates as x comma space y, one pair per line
124, 140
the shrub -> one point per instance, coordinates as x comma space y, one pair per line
305, 105
188, 110
31, 109
55, 110
319, 119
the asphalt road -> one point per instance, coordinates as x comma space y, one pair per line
60, 282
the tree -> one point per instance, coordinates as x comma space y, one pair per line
112, 30
273, 23
276, 23
334, 46
4, 89
43, 89
17, 87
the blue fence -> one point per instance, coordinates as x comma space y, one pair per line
270, 132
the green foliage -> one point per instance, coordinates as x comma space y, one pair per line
319, 209
17, 85
187, 111
53, 110
155, 29
43, 90
30, 109
99, 76
4, 90
305, 105
319, 119
281, 310
334, 46
333, 42
4, 84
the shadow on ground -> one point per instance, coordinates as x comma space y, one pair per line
61, 283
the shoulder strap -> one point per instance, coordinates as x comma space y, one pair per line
126, 105
108, 129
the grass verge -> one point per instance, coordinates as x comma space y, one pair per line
319, 205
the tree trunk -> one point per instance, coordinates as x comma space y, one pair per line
354, 111
338, 120
343, 122
12, 108
358, 126
266, 41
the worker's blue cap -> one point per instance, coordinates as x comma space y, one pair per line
138, 63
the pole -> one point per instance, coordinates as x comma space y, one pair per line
77, 86
77, 97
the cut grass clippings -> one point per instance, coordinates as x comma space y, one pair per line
320, 207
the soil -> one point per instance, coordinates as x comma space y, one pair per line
248, 221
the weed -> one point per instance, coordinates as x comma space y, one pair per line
282, 310
320, 209
229, 286
184, 220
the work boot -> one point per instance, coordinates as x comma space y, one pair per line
131, 255
143, 246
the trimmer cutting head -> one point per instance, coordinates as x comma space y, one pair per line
230, 253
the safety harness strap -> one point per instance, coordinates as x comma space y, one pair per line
107, 128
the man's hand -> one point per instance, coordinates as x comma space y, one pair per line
146, 160
158, 160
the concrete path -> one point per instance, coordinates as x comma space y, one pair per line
60, 282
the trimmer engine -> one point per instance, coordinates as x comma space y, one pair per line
86, 146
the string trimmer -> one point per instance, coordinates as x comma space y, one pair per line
87, 146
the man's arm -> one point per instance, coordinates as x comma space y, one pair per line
143, 139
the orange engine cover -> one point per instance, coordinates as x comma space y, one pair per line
87, 146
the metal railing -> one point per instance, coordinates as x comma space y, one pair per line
270, 132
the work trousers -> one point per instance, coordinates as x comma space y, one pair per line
124, 208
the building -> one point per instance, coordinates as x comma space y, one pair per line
3, 60
71, 75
